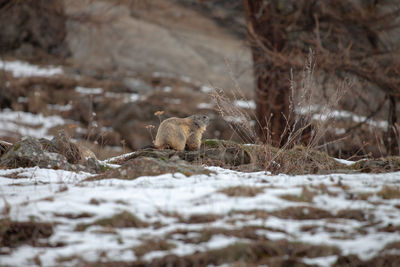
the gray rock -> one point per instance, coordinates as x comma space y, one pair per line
217, 156
58, 153
146, 166
28, 152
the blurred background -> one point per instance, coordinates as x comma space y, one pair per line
103, 69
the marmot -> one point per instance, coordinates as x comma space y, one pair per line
176, 133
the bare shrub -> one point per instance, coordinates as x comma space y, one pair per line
306, 125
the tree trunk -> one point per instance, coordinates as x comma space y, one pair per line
272, 79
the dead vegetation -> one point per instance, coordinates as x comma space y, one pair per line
152, 245
388, 192
120, 220
305, 196
242, 191
254, 253
347, 38
13, 234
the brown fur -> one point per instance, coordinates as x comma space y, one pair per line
176, 133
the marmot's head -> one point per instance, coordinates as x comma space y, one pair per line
200, 120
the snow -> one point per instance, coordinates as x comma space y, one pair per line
88, 91
205, 106
47, 195
323, 114
206, 89
345, 162
320, 261
59, 107
27, 124
167, 89
234, 119
250, 104
24, 69
127, 97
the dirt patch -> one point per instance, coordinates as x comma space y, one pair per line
281, 253
354, 214
390, 228
389, 192
378, 261
246, 232
393, 245
257, 214
74, 216
152, 245
305, 196
302, 213
311, 213
120, 220
242, 191
202, 218
13, 234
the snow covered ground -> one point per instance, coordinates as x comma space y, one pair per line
356, 212
27, 124
24, 69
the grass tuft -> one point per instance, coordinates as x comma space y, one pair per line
242, 191
121, 220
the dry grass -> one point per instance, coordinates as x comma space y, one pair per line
302, 213
305, 196
152, 245
242, 191
120, 220
13, 234
202, 218
389, 192
74, 216
304, 129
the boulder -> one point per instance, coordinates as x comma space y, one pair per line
230, 156
28, 152
147, 166
58, 153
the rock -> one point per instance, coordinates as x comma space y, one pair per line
4, 146
147, 166
154, 41
391, 164
29, 25
58, 153
28, 152
228, 155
